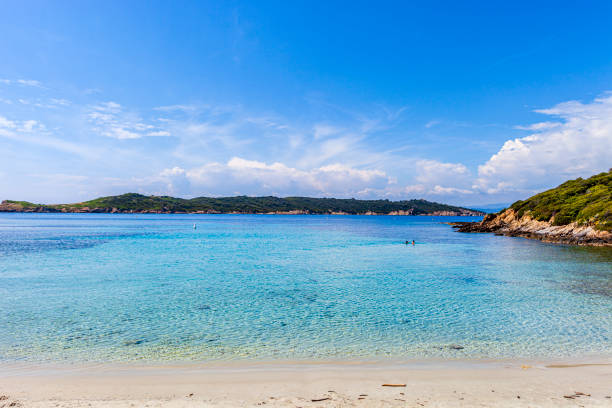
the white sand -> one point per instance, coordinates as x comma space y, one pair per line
449, 384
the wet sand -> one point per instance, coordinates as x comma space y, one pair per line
431, 384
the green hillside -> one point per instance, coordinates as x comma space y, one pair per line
132, 202
585, 201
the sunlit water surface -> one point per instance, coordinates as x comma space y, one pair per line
111, 288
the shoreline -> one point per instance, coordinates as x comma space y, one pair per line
32, 366
474, 227
369, 213
508, 223
309, 384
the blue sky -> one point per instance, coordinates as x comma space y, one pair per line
459, 102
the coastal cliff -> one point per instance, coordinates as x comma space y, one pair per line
578, 212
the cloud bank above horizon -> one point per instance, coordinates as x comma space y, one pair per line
61, 146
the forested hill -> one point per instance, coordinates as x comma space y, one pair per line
584, 201
137, 203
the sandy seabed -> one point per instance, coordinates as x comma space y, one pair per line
348, 384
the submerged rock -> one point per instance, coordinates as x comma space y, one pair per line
133, 342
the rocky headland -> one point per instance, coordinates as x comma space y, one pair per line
578, 212
509, 223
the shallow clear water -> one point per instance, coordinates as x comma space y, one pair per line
100, 287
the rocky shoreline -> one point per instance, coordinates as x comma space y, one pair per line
510, 224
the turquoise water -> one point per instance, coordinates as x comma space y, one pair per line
105, 288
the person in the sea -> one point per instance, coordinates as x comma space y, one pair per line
413, 242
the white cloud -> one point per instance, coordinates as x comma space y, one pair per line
580, 144
449, 190
111, 120
6, 123
29, 82
251, 177
29, 125
52, 103
432, 171
24, 82
109, 107
36, 134
175, 171
321, 131
415, 189
60, 102
159, 133
539, 126
120, 132
443, 178
438, 178
170, 108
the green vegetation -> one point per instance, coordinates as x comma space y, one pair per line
132, 202
24, 204
585, 201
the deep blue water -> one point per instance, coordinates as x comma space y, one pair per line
102, 287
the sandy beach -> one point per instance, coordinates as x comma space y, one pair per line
430, 384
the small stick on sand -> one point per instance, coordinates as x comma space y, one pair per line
394, 385
321, 399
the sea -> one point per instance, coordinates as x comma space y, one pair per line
108, 288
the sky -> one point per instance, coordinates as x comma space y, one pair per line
469, 103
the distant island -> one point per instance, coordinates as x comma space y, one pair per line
138, 203
577, 212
